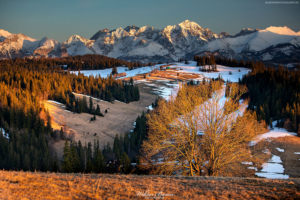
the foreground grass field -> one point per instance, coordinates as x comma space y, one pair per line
24, 185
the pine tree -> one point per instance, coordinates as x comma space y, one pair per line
91, 105
116, 147
99, 165
61, 134
55, 167
126, 163
67, 159
76, 166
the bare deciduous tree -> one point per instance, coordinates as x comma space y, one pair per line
201, 132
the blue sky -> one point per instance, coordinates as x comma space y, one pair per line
60, 19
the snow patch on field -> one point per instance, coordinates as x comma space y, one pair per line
88, 96
4, 133
247, 163
273, 169
280, 150
275, 133
55, 102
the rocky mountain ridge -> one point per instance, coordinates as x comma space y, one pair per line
148, 44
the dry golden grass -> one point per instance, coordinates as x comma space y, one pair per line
24, 185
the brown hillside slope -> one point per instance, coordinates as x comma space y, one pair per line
23, 185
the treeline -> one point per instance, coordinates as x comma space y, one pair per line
275, 95
88, 158
212, 61
56, 84
85, 62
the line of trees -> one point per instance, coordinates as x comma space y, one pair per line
213, 61
85, 62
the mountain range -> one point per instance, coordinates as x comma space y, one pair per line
147, 44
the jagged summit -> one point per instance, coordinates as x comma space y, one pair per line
245, 31
189, 25
134, 27
100, 33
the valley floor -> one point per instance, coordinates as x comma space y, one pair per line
24, 185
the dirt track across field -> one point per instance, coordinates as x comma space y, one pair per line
118, 120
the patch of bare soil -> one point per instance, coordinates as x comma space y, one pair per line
118, 120
24, 185
290, 160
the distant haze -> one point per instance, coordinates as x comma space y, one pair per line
60, 19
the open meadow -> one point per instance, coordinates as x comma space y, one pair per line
118, 120
26, 185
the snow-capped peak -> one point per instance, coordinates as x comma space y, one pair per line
4, 33
47, 43
75, 38
281, 30
189, 25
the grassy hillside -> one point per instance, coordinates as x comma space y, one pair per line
17, 185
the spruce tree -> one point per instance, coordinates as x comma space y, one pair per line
116, 147
126, 163
99, 165
55, 167
67, 159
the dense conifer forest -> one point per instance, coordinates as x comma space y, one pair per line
275, 95
24, 84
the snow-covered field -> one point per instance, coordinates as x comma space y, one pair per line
223, 71
106, 72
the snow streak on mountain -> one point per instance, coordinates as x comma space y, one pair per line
148, 44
